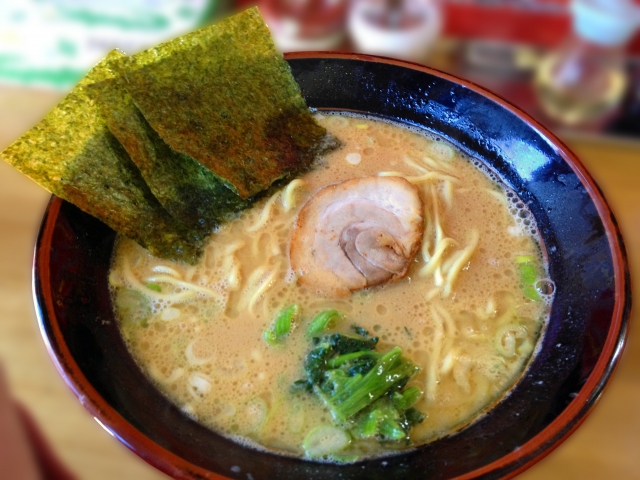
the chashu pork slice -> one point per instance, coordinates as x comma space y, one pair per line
357, 234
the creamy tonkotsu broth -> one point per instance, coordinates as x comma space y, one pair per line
467, 313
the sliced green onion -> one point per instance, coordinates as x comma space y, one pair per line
295, 418
325, 440
531, 293
255, 414
524, 259
154, 286
442, 151
133, 305
528, 276
344, 458
323, 320
528, 273
281, 325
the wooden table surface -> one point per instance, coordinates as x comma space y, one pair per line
606, 446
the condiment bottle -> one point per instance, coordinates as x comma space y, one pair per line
585, 78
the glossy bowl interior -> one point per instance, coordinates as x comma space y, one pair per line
579, 350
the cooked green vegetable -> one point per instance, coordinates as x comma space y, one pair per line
349, 343
316, 362
154, 286
301, 386
234, 105
383, 421
363, 389
347, 396
360, 331
406, 399
351, 357
323, 321
390, 418
413, 416
281, 325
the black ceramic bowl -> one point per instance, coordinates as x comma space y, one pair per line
579, 351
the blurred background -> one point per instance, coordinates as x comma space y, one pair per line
572, 64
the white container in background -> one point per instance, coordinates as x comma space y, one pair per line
404, 29
298, 25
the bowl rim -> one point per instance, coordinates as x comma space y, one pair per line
506, 466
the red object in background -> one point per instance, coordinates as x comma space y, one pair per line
467, 20
49, 464
545, 26
315, 18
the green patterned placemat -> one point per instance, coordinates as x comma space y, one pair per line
53, 43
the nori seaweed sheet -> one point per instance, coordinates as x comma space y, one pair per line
72, 153
224, 96
190, 192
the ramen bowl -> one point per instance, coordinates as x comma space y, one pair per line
577, 355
